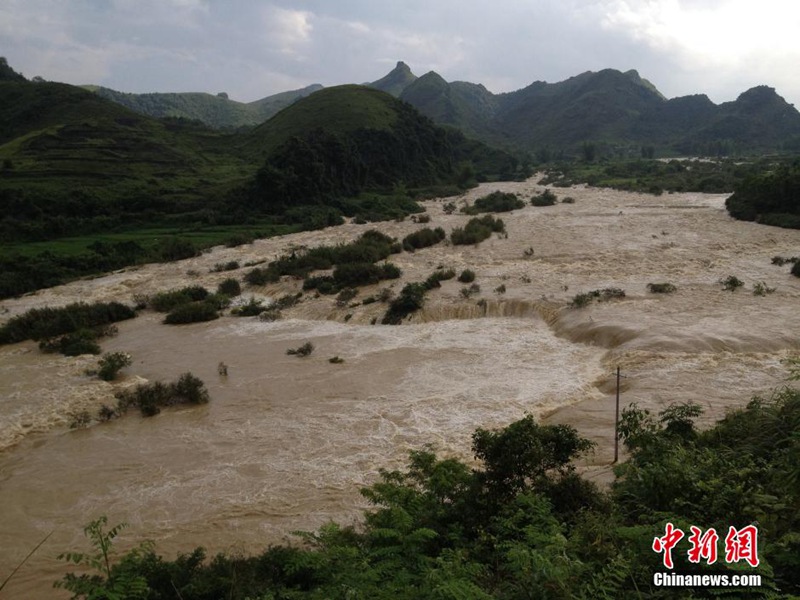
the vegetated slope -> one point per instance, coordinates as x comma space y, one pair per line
74, 162
759, 119
339, 110
7, 73
771, 198
216, 111
669, 121
467, 106
591, 106
376, 119
346, 140
618, 111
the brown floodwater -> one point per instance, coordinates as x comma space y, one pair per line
286, 442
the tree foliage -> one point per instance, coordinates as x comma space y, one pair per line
519, 522
771, 197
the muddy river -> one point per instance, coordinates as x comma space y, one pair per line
286, 442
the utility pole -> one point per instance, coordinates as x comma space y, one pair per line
616, 425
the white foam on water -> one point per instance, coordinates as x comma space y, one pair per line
286, 442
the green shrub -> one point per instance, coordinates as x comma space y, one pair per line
421, 218
271, 314
170, 300
302, 351
434, 279
357, 274
731, 283
661, 288
603, 295
106, 413
229, 287
72, 344
287, 301
546, 198
445, 274
174, 248
781, 260
228, 266
151, 397
218, 301
261, 276
80, 420
610, 294
325, 284
253, 308
238, 239
468, 292
477, 230
110, 364
43, 323
194, 312
336, 360
351, 275
423, 238
467, 276
390, 271
760, 288
189, 390
345, 296
501, 289
568, 200
581, 300
495, 202
409, 300
796, 269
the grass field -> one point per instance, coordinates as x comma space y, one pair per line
202, 237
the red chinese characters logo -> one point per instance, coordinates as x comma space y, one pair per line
703, 546
740, 544
667, 543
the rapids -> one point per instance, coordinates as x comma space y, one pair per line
286, 442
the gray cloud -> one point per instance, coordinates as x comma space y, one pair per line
252, 48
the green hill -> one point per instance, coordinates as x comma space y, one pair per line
758, 120
339, 110
87, 185
81, 163
620, 112
213, 110
592, 106
343, 141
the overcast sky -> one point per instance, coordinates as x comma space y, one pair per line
255, 48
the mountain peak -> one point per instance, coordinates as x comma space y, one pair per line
7, 73
759, 93
396, 80
762, 98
